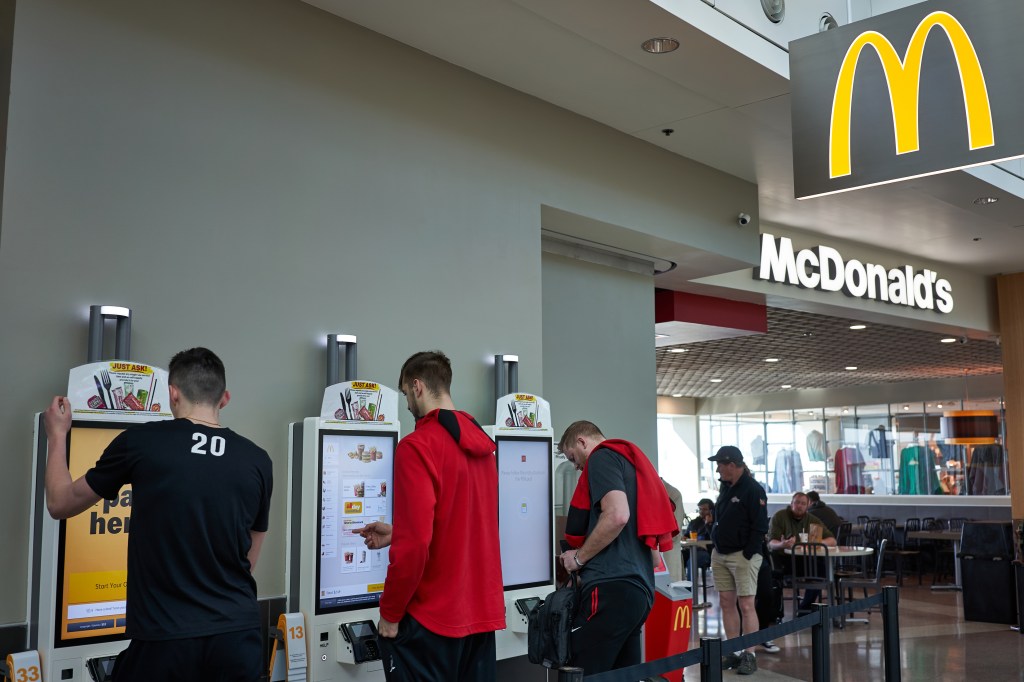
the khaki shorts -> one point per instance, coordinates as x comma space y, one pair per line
734, 573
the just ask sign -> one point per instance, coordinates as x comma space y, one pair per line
926, 89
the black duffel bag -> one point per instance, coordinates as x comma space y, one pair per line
549, 637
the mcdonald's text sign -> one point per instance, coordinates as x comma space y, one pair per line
929, 88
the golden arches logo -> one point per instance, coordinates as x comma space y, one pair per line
903, 76
682, 618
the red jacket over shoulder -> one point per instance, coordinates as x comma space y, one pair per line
445, 565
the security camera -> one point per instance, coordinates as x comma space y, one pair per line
743, 219
961, 340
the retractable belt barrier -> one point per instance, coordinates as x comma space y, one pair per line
709, 655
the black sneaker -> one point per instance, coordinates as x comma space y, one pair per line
748, 664
730, 661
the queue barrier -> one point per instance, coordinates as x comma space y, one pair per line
709, 655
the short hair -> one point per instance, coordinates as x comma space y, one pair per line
707, 502
813, 496
578, 429
432, 367
199, 374
796, 495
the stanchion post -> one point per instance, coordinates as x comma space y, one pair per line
891, 632
570, 673
821, 663
711, 659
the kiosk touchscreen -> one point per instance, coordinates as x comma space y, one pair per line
340, 473
79, 565
525, 443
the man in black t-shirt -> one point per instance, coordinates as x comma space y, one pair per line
200, 506
616, 564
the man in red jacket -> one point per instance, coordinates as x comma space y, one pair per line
443, 596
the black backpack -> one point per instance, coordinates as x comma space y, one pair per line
549, 637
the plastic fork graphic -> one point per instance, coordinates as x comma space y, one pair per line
105, 378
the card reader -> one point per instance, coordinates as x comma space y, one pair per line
362, 635
102, 668
524, 606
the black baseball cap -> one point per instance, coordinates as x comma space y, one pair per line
727, 454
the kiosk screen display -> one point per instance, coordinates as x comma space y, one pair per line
524, 511
356, 470
92, 551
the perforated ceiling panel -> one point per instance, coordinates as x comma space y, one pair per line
813, 351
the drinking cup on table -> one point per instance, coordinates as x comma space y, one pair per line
693, 535
803, 537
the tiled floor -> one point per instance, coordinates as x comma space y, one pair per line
936, 645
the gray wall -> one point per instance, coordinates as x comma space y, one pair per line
595, 366
252, 175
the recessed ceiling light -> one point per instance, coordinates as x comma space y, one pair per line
948, 339
660, 45
846, 411
661, 336
811, 412
906, 407
938, 406
716, 381
771, 359
858, 326
787, 385
677, 395
676, 350
985, 201
850, 368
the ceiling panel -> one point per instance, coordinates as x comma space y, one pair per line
812, 352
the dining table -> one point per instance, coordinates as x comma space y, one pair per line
953, 536
693, 546
840, 552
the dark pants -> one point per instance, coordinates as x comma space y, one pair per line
419, 655
606, 630
229, 657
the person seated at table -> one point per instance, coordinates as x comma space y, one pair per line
784, 532
826, 514
702, 527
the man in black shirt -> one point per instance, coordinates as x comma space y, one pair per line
200, 506
702, 526
825, 513
619, 497
741, 520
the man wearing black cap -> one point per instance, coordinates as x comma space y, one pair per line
741, 521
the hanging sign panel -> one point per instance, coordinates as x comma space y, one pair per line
925, 89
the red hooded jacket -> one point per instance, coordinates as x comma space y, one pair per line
445, 564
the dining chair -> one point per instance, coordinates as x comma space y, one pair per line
843, 532
809, 571
899, 552
848, 585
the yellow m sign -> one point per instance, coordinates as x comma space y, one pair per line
903, 76
682, 618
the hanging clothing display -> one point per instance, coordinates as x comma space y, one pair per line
816, 446
917, 472
849, 472
986, 474
879, 445
758, 451
789, 472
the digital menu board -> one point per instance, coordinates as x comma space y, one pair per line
524, 511
92, 551
356, 471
